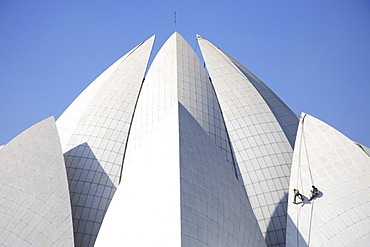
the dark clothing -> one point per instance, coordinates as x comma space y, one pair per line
297, 194
314, 193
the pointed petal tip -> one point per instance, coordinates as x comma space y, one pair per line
152, 37
176, 34
199, 37
50, 117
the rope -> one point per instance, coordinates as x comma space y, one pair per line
305, 146
299, 164
309, 231
312, 182
298, 215
299, 177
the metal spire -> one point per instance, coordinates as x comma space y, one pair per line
175, 21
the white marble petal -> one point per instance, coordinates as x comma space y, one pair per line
340, 169
34, 200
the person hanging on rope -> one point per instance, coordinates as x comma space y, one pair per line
314, 192
297, 194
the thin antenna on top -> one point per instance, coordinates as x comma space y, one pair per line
175, 21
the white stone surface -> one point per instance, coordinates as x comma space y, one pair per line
205, 161
148, 199
366, 149
69, 119
340, 215
215, 210
261, 130
34, 200
163, 136
94, 130
287, 120
146, 208
102, 114
196, 94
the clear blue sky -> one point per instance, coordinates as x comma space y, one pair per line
315, 55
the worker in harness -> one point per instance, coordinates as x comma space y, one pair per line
297, 194
314, 192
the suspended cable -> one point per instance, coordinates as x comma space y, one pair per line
196, 45
299, 177
298, 215
309, 229
305, 146
303, 138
